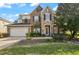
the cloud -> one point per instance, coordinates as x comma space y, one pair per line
25, 13
3, 14
8, 5
35, 1
55, 8
4, 5
34, 4
16, 15
21, 4
10, 17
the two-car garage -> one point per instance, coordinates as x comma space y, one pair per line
18, 30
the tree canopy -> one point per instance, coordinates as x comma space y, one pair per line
67, 16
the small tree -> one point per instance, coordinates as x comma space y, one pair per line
61, 24
73, 26
68, 18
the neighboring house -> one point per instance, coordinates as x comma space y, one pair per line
3, 27
41, 20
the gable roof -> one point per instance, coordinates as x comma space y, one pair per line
38, 9
18, 24
49, 9
2, 19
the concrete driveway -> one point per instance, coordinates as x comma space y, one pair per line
9, 41
6, 42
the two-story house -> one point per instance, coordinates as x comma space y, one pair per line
41, 20
3, 25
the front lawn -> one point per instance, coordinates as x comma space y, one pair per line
43, 49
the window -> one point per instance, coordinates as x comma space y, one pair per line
19, 21
47, 16
25, 20
36, 18
37, 30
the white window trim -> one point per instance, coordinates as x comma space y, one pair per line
47, 16
36, 18
37, 29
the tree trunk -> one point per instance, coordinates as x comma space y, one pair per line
58, 31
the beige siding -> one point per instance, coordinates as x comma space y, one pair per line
3, 26
43, 23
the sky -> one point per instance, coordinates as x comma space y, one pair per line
10, 11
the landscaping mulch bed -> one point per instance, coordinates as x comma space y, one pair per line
34, 41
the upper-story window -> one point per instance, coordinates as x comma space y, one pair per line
26, 21
20, 21
47, 16
36, 18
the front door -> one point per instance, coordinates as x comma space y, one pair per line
47, 30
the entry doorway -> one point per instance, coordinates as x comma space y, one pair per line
47, 27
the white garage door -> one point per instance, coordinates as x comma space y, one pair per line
18, 31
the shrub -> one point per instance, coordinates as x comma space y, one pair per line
43, 35
33, 34
28, 36
3, 35
49, 40
59, 38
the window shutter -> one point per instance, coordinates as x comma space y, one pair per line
44, 16
50, 17
33, 18
39, 18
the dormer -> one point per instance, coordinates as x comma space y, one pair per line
24, 18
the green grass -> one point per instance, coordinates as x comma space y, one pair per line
43, 49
